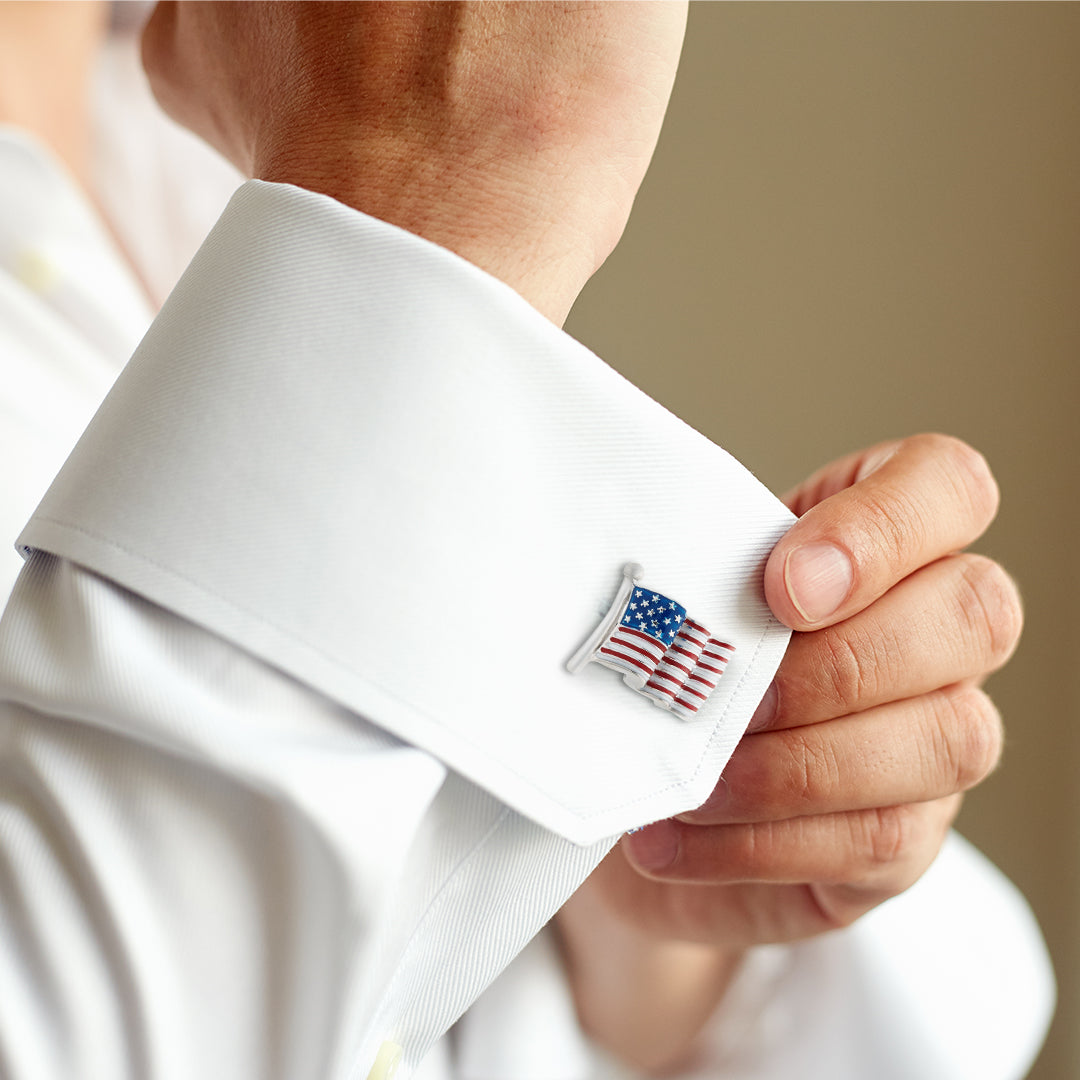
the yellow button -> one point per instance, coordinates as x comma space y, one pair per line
35, 271
387, 1061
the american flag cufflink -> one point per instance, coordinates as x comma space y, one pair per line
662, 653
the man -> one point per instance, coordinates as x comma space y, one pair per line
515, 136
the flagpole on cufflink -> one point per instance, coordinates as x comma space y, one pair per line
632, 574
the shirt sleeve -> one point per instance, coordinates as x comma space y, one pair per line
948, 981
208, 869
291, 765
379, 469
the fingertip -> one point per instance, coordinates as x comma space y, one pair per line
765, 714
906, 504
982, 486
653, 848
776, 595
807, 584
818, 579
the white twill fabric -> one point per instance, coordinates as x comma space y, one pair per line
203, 846
399, 483
60, 346
415, 512
209, 869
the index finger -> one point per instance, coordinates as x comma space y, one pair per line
932, 496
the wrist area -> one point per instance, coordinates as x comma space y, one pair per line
514, 134
491, 217
645, 999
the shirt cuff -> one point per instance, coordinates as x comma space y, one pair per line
372, 465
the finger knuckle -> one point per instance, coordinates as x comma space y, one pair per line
813, 773
893, 524
889, 833
836, 907
898, 517
973, 738
748, 848
858, 664
844, 669
893, 847
969, 472
990, 607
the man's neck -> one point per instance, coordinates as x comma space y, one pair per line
47, 53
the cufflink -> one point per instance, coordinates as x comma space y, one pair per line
662, 652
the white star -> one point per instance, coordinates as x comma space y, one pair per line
626, 618
641, 626
654, 623
633, 606
655, 596
637, 592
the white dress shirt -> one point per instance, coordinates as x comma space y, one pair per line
362, 461
262, 831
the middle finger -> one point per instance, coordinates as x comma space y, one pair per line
906, 752
958, 618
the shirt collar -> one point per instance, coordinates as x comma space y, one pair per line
376, 467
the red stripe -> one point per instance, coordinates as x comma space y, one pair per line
640, 634
684, 652
686, 704
629, 660
697, 626
718, 671
675, 664
637, 648
617, 643
664, 675
696, 693
663, 689
715, 656
698, 678
721, 644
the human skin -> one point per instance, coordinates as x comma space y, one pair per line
46, 55
516, 135
841, 794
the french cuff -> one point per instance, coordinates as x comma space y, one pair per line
372, 465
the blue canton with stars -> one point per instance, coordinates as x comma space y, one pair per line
654, 614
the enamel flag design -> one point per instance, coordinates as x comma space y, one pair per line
662, 652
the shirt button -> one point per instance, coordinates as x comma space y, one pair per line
35, 271
386, 1063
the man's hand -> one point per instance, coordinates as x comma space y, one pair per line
515, 134
841, 794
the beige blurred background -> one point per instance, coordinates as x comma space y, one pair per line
863, 220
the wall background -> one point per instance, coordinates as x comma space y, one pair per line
863, 221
